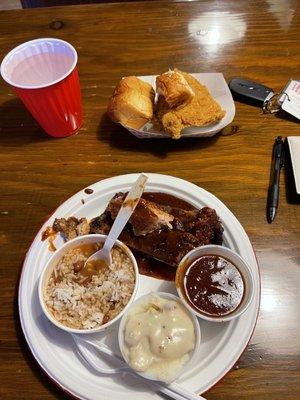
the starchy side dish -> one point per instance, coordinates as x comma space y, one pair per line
173, 87
181, 102
162, 230
201, 110
132, 102
82, 303
159, 337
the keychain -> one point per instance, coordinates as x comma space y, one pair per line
288, 99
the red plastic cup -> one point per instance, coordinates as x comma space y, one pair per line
44, 75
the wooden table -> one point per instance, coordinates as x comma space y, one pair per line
255, 39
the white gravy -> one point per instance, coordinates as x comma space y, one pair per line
159, 335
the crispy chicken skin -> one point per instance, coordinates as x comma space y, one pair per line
202, 110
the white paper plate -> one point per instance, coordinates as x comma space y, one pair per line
219, 90
222, 344
294, 145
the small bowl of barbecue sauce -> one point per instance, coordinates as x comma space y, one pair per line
215, 283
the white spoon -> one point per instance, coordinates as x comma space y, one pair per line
84, 346
103, 257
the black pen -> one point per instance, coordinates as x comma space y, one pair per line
273, 192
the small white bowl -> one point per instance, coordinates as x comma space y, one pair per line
45, 275
165, 296
242, 266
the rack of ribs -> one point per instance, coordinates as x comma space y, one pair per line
163, 232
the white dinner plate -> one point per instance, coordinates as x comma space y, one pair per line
54, 350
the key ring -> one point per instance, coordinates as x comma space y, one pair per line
273, 103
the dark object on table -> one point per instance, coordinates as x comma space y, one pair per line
273, 192
250, 92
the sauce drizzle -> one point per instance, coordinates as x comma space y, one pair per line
149, 266
213, 286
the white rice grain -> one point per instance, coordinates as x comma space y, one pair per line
88, 306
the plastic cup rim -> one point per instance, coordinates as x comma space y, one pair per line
9, 54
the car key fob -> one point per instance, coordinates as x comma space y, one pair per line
250, 92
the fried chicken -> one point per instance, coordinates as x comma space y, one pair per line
202, 110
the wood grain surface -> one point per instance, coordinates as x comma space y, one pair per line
254, 39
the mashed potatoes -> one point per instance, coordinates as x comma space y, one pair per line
159, 338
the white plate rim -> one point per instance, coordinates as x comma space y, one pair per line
132, 177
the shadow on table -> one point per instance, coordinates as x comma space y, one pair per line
119, 137
287, 117
17, 126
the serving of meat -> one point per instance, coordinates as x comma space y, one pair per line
72, 227
163, 232
201, 110
147, 216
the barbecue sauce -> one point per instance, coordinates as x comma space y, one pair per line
154, 268
147, 265
213, 286
166, 199
50, 234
